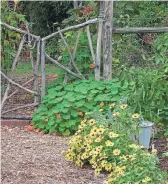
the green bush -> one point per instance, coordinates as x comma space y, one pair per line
107, 148
148, 92
64, 106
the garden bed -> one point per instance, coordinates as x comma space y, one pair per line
31, 158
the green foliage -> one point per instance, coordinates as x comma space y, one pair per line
148, 92
161, 49
108, 149
64, 106
9, 39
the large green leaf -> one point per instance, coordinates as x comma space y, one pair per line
74, 113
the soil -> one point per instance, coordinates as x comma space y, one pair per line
31, 158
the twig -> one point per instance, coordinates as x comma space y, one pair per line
18, 90
18, 30
73, 56
21, 107
68, 49
90, 43
92, 21
16, 84
63, 67
17, 116
12, 70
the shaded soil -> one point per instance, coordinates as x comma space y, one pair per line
161, 144
22, 97
30, 158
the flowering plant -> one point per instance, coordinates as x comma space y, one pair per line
106, 148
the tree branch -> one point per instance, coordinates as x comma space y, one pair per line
68, 49
63, 67
18, 30
16, 84
92, 21
21, 107
90, 43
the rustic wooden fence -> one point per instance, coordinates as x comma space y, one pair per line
104, 21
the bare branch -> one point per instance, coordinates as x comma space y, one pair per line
63, 67
73, 56
68, 49
90, 43
92, 21
18, 90
18, 30
16, 84
21, 107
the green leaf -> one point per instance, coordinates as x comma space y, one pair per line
66, 133
66, 116
80, 103
69, 88
61, 129
74, 113
88, 105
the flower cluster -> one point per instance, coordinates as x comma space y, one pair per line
108, 149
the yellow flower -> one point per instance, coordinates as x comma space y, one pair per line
134, 146
101, 110
154, 151
99, 139
92, 121
135, 116
123, 106
109, 143
103, 163
116, 152
160, 124
146, 180
115, 114
113, 135
97, 171
111, 180
102, 104
112, 105
136, 182
100, 130
124, 158
92, 135
108, 167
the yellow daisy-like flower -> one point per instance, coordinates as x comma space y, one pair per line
154, 151
111, 180
102, 104
99, 139
115, 114
134, 146
146, 180
109, 143
100, 131
135, 116
124, 157
112, 105
116, 152
92, 121
113, 135
123, 106
101, 110
108, 167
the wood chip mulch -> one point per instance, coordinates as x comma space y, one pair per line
30, 158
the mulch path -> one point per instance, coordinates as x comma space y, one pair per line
30, 158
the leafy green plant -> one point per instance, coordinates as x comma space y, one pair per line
99, 143
64, 106
148, 91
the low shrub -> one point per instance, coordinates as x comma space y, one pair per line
63, 107
105, 144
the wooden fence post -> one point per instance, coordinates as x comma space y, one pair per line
99, 43
43, 72
107, 41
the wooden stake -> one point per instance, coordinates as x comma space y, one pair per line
43, 71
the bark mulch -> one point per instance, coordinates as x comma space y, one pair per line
30, 158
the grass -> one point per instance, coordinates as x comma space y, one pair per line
26, 69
